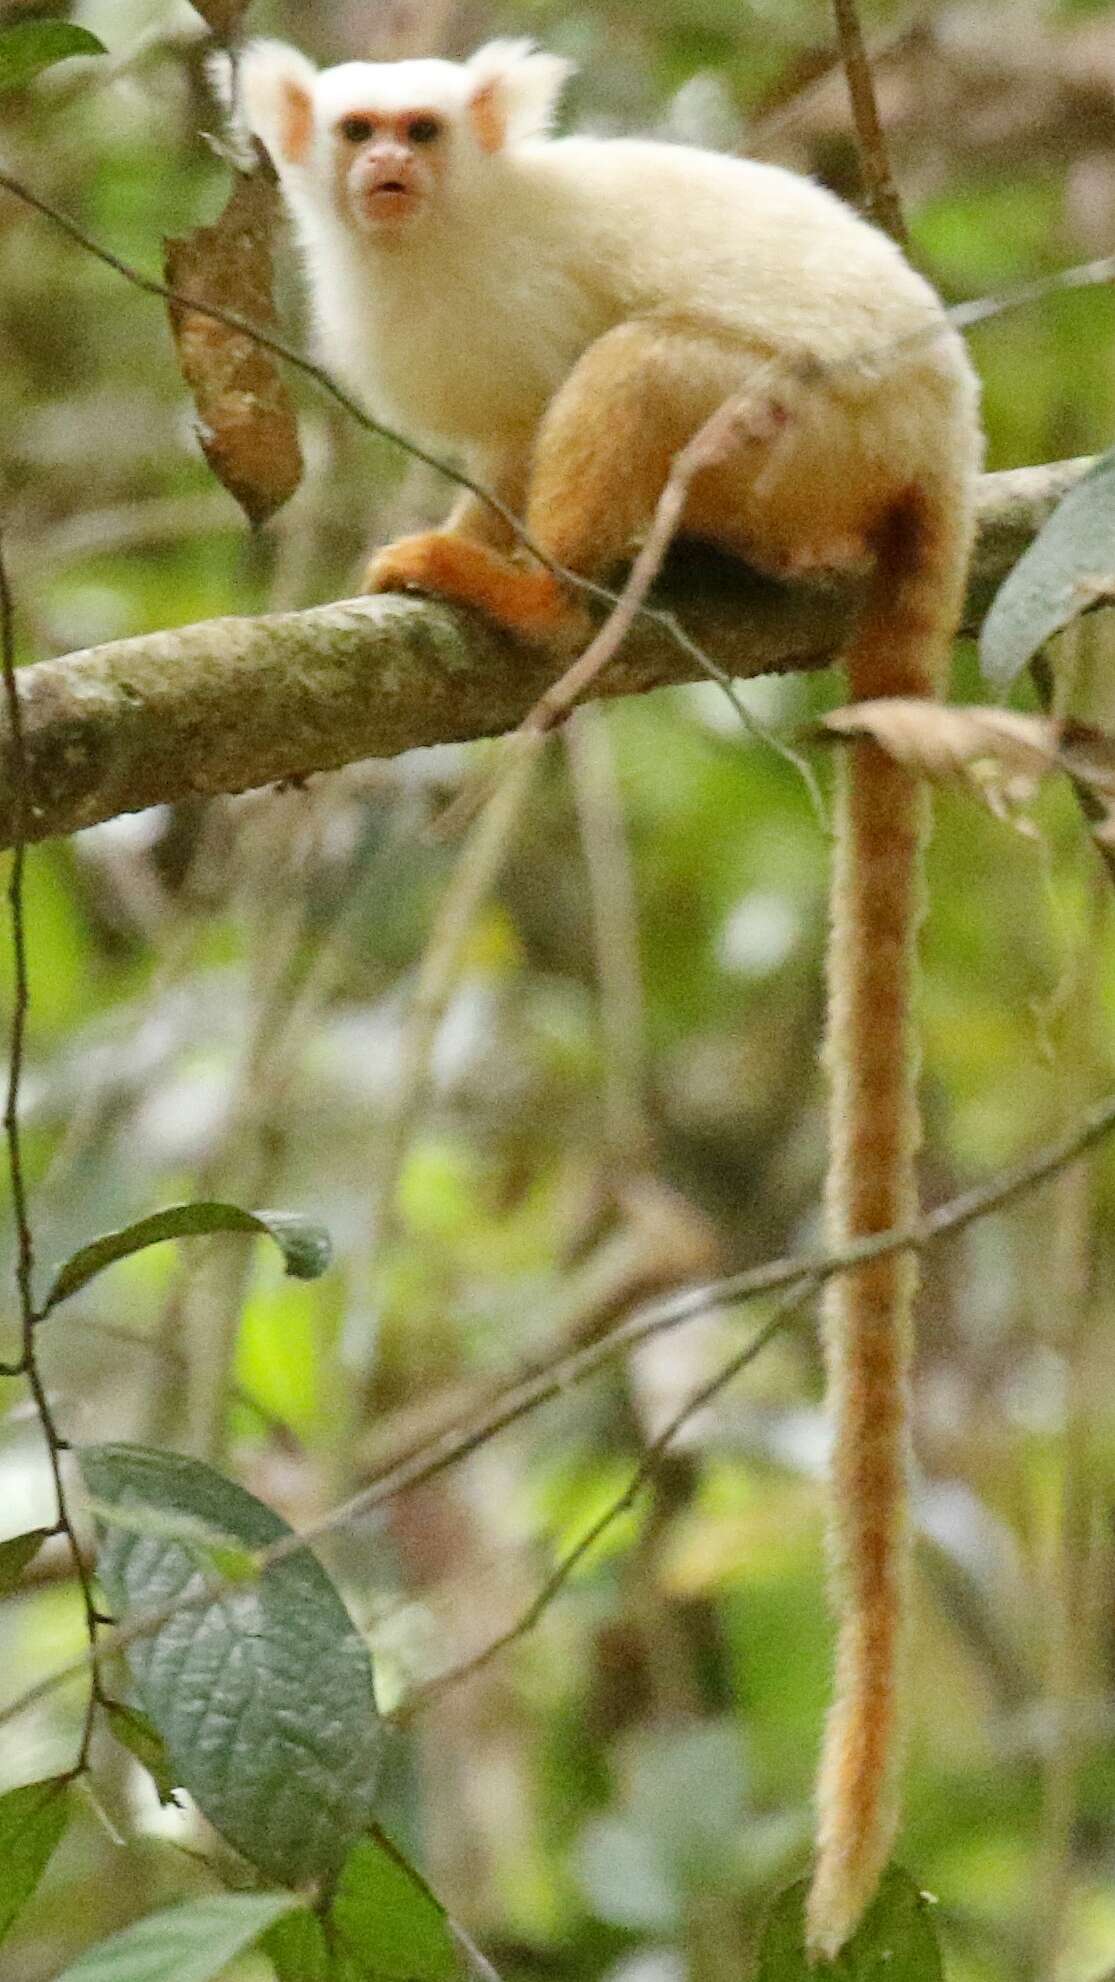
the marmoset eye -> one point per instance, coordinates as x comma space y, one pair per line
423, 130
356, 129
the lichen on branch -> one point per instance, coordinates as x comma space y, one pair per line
230, 704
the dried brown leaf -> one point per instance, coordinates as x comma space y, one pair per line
944, 741
1000, 752
247, 425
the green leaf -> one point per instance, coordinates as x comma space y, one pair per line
136, 1733
894, 1942
210, 1547
190, 1943
16, 1553
37, 45
1069, 565
263, 1694
306, 1247
297, 1949
387, 1920
32, 1820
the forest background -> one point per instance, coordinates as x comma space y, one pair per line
623, 1097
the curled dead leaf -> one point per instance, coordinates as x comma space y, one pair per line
1000, 753
246, 422
944, 741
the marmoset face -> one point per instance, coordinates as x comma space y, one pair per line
389, 165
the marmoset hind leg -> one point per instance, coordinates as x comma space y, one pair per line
600, 461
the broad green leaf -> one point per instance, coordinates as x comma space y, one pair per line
386, 1919
894, 1942
297, 1949
16, 1553
36, 45
1069, 565
305, 1247
210, 1547
32, 1820
190, 1943
264, 1694
136, 1733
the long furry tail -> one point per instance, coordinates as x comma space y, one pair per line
900, 648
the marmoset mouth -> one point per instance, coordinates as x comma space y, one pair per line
390, 201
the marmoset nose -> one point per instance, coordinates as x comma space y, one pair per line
387, 165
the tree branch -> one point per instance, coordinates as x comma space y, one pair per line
229, 704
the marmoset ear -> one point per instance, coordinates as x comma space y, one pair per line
277, 99
515, 89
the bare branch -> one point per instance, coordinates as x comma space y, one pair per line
883, 202
229, 704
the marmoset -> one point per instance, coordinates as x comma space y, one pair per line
566, 313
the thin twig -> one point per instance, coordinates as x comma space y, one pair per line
1081, 275
1093, 808
478, 1962
25, 1257
1097, 274
883, 202
960, 315
474, 876
229, 704
765, 135
706, 447
28, 1365
574, 1365
457, 1441
150, 285
615, 927
631, 603
644, 1471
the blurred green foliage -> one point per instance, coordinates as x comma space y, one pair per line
217, 1003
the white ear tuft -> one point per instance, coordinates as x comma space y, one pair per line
276, 89
515, 90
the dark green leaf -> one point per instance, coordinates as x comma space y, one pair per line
1069, 565
264, 1694
36, 45
135, 1732
305, 1247
210, 1547
297, 1949
32, 1820
894, 1942
16, 1553
387, 1920
190, 1943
